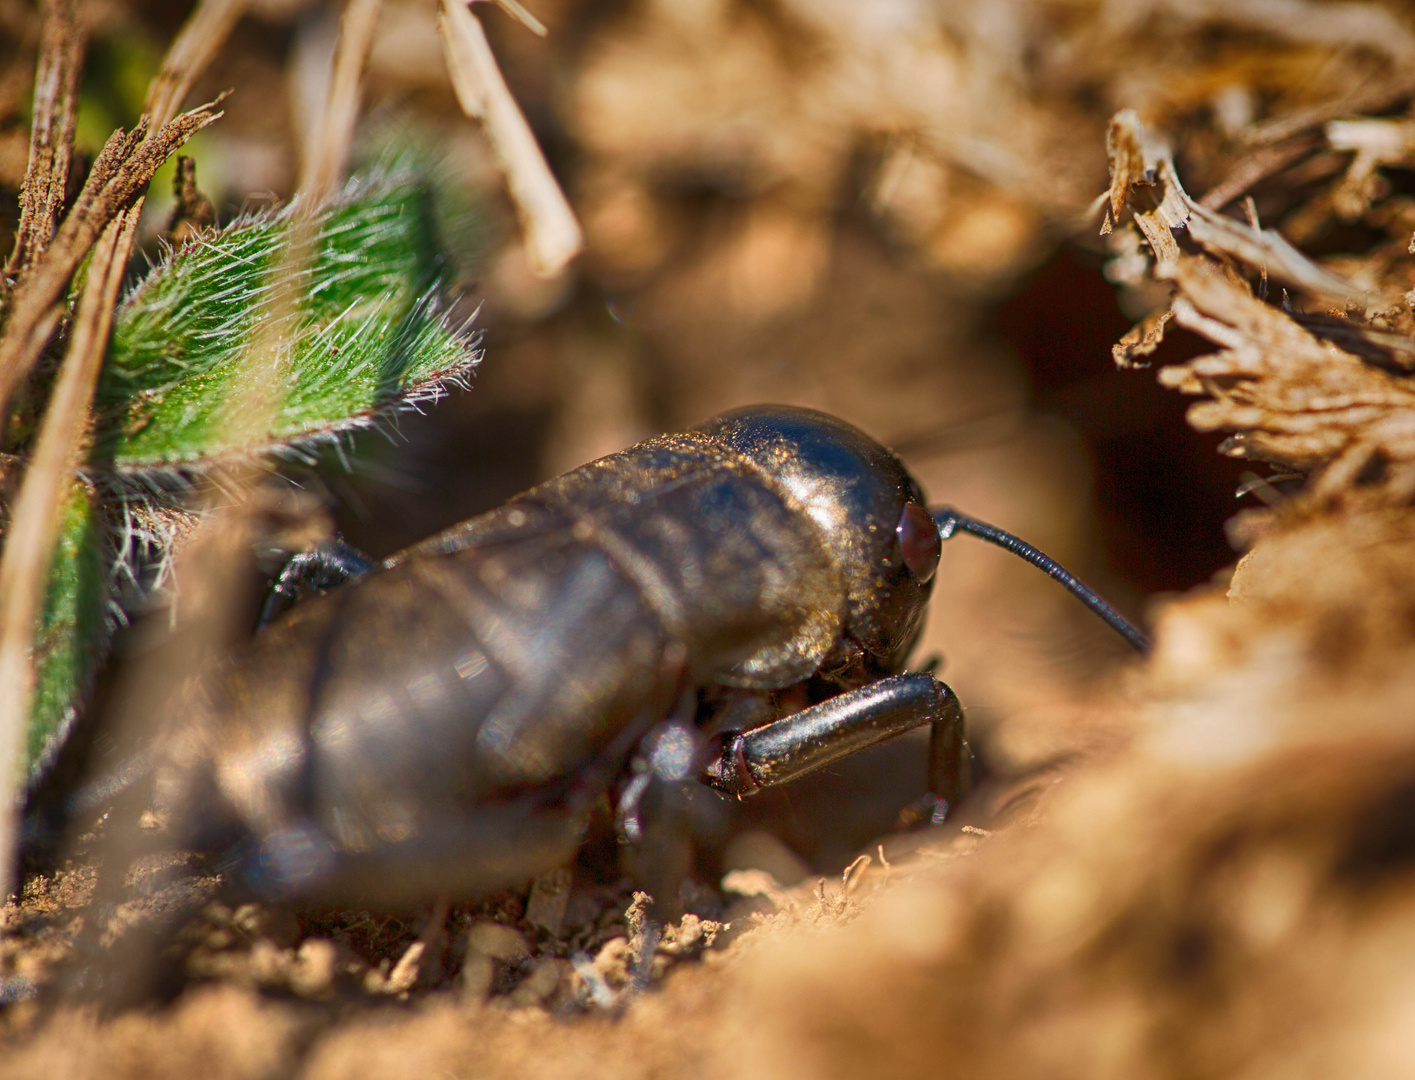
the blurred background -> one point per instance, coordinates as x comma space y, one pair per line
885, 210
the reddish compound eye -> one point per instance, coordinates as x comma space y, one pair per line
919, 542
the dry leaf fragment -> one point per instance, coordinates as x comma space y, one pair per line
1138, 158
1141, 340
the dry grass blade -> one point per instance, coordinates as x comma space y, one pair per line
1373, 98
24, 563
56, 107
262, 369
193, 48
522, 16
325, 164
1268, 161
553, 235
122, 170
35, 300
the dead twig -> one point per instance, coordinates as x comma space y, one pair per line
552, 233
330, 153
56, 107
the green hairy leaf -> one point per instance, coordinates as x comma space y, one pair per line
368, 332
72, 629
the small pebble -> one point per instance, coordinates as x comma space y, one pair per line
549, 896
497, 941
474, 983
541, 983
269, 964
614, 960
316, 964
405, 973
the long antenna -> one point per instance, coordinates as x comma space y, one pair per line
950, 521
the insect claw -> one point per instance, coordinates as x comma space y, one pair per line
627, 818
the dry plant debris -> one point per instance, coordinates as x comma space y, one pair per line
51, 137
1319, 383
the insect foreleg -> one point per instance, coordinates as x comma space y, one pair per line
743, 762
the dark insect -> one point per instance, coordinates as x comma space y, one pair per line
733, 605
